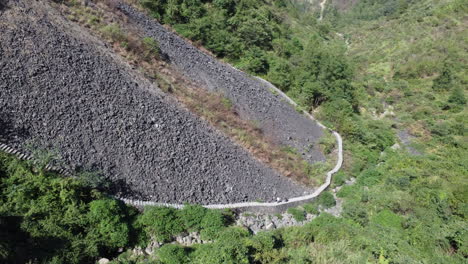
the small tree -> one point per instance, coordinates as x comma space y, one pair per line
255, 61
297, 214
457, 96
192, 216
445, 79
151, 47
160, 222
107, 225
172, 254
212, 223
327, 200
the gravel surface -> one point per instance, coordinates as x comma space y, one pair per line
64, 89
251, 98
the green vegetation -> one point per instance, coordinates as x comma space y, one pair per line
326, 200
404, 69
259, 37
61, 220
403, 208
160, 222
328, 142
56, 219
297, 213
151, 47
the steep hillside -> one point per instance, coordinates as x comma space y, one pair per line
253, 101
388, 75
61, 88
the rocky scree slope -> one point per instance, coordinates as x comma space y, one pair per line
277, 119
64, 89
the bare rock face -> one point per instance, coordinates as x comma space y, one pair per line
279, 120
65, 90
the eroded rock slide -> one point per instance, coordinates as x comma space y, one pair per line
67, 91
252, 99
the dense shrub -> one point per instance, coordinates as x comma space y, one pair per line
266, 248
172, 254
55, 219
356, 212
192, 217
369, 177
296, 236
387, 218
162, 223
230, 247
444, 81
326, 200
457, 96
297, 214
311, 208
107, 225
212, 223
255, 61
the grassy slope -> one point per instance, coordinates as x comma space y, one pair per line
397, 58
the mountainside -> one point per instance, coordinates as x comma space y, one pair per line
390, 76
251, 99
64, 93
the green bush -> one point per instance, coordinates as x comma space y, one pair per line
369, 177
326, 200
265, 247
107, 225
457, 96
297, 214
172, 254
346, 191
192, 216
230, 247
337, 112
151, 47
444, 81
113, 32
162, 223
339, 178
356, 212
387, 218
297, 236
280, 74
212, 224
264, 241
441, 129
255, 61
311, 208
